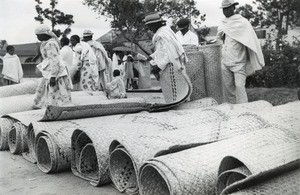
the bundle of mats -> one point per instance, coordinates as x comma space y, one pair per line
27, 87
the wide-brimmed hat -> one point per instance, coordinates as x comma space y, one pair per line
153, 18
87, 33
228, 3
183, 23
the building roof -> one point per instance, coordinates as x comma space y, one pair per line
28, 49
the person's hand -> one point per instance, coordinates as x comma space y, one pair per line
149, 58
52, 82
155, 69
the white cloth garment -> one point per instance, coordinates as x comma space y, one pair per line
189, 38
12, 68
167, 49
67, 56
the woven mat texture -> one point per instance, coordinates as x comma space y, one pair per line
174, 174
27, 87
212, 71
16, 104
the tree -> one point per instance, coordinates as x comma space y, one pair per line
127, 15
55, 16
281, 13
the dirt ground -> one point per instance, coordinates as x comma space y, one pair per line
20, 177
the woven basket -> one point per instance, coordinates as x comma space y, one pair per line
195, 71
194, 171
17, 138
5, 126
28, 87
285, 183
212, 71
137, 149
175, 84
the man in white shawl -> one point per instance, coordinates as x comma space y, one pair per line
12, 68
241, 55
103, 61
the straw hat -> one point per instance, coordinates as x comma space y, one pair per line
228, 3
153, 18
87, 33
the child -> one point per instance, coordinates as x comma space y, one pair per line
12, 68
116, 88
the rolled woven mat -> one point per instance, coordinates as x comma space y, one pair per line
17, 103
199, 103
212, 71
238, 169
175, 84
195, 71
5, 126
194, 171
132, 152
101, 134
285, 183
17, 138
27, 87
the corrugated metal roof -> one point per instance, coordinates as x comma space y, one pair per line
28, 49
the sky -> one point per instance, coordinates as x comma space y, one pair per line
17, 22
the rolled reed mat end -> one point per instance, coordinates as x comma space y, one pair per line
153, 181
45, 154
88, 162
5, 126
123, 171
30, 154
17, 138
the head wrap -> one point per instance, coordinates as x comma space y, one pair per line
44, 29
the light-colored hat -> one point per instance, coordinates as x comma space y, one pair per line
42, 29
87, 33
153, 18
228, 3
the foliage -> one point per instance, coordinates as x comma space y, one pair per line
281, 13
127, 15
55, 16
282, 67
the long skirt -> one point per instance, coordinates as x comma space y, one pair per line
58, 95
89, 77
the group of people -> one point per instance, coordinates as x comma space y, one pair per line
241, 56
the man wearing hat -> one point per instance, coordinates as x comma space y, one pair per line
168, 51
184, 35
241, 53
103, 61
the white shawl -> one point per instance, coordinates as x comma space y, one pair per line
12, 68
240, 29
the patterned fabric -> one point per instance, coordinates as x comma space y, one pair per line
52, 66
87, 63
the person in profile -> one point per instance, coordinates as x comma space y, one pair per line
12, 69
184, 35
116, 88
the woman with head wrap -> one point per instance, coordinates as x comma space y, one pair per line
55, 87
87, 65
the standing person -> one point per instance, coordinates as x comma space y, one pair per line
87, 71
116, 88
12, 69
55, 87
184, 35
241, 55
168, 51
103, 61
67, 55
129, 72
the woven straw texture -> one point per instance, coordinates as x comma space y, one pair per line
137, 149
237, 168
27, 87
174, 174
16, 104
5, 126
212, 71
17, 138
175, 84
195, 70
286, 183
195, 104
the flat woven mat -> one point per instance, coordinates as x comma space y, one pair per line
195, 171
27, 87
